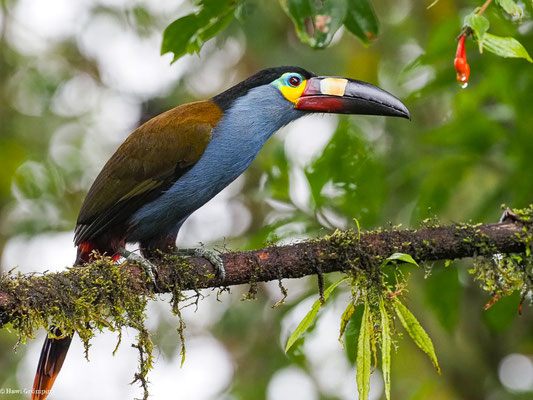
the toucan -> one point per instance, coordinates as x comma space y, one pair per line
174, 163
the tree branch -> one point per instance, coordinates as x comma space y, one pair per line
342, 251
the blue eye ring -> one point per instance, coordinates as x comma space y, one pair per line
294, 80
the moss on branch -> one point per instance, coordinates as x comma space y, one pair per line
103, 294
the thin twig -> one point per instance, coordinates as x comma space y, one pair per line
483, 7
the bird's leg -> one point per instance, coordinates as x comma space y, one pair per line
210, 255
149, 268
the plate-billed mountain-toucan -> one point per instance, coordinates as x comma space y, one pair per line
173, 164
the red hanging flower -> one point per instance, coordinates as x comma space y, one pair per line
461, 65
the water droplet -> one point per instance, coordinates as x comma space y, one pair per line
463, 85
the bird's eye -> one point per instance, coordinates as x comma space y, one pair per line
294, 81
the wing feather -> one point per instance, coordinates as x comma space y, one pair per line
151, 159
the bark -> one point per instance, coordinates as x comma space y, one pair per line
341, 251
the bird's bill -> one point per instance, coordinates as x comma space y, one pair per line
349, 96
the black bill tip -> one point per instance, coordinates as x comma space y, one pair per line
349, 96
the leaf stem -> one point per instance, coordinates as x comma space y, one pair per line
484, 7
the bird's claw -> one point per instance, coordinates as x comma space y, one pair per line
149, 268
214, 258
210, 255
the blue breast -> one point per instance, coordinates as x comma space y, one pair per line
236, 140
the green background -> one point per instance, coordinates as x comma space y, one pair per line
74, 83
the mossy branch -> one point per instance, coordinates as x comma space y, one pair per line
102, 290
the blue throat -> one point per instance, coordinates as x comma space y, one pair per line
236, 141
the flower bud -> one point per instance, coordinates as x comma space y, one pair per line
461, 65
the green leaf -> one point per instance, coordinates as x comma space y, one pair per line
307, 321
345, 318
406, 258
480, 25
178, 36
511, 8
358, 228
295, 353
361, 20
417, 333
216, 26
315, 21
189, 33
364, 355
443, 295
505, 47
386, 342
351, 334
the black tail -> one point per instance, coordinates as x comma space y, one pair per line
52, 356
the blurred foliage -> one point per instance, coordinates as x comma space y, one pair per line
445, 282
316, 22
465, 152
189, 33
353, 186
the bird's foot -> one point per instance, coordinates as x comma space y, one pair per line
210, 255
149, 268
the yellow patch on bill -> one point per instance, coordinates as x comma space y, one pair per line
333, 86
